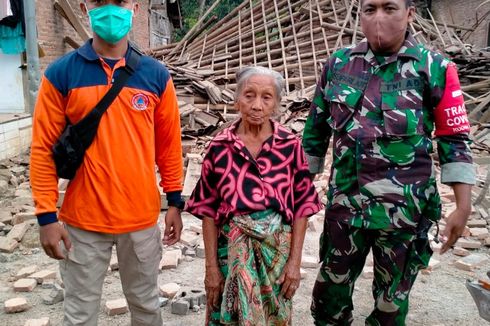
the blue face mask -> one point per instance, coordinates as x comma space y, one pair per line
110, 22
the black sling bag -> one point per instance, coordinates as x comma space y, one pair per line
70, 148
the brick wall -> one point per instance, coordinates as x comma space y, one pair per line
462, 12
52, 27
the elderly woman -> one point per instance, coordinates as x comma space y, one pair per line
253, 197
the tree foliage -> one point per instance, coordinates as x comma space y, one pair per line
190, 13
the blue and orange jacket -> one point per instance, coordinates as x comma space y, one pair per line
115, 189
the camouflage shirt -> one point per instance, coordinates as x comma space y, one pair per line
382, 112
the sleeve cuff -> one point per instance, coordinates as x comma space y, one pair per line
174, 198
458, 172
315, 164
47, 218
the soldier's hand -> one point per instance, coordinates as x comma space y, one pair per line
455, 225
173, 226
50, 236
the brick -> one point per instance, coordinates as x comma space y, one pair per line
8, 245
190, 253
309, 262
116, 307
23, 217
25, 285
18, 231
483, 212
55, 296
180, 307
471, 262
458, 251
163, 301
26, 271
479, 233
38, 322
171, 259
433, 265
16, 305
43, 275
169, 290
468, 244
189, 238
48, 284
476, 223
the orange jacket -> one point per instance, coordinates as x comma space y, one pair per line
115, 189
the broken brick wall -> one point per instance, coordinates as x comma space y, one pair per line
52, 28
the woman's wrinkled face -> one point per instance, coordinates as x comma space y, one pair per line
257, 100
384, 23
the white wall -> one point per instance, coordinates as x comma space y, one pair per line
11, 86
15, 136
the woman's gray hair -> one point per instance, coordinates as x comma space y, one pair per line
244, 74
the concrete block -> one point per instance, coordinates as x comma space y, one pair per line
48, 284
196, 228
195, 297
169, 290
114, 264
116, 307
170, 259
23, 217
180, 307
18, 231
309, 262
38, 322
471, 262
26, 271
476, 223
6, 217
303, 273
436, 246
458, 251
200, 251
55, 296
189, 238
25, 285
8, 245
468, 244
16, 305
43, 275
163, 301
479, 233
190, 253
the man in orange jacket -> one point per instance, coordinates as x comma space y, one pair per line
113, 198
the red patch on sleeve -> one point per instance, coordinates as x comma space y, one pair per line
450, 114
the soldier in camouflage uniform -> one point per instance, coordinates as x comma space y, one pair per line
382, 101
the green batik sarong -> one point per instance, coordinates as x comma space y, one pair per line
252, 251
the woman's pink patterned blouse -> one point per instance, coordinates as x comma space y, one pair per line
233, 183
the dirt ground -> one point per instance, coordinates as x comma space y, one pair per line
439, 298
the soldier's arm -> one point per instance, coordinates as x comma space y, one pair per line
453, 145
317, 132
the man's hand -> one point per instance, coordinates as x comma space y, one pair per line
173, 226
454, 228
290, 280
50, 236
214, 283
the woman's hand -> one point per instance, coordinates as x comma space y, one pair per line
290, 279
214, 283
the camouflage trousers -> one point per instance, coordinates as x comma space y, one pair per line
398, 256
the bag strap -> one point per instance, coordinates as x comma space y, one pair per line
91, 120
